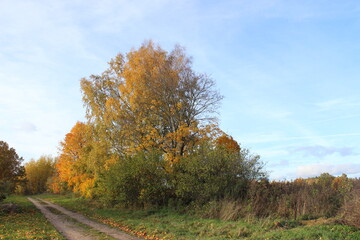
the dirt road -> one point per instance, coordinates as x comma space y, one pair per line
69, 223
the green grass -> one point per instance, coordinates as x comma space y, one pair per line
26, 223
168, 224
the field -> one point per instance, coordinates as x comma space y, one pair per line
168, 224
26, 223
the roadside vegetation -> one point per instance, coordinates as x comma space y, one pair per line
166, 223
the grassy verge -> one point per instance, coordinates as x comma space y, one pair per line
167, 224
26, 223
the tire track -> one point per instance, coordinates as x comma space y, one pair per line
66, 228
115, 233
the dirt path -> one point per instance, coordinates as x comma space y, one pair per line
70, 230
65, 227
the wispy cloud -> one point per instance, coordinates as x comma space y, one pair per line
337, 118
263, 138
330, 103
312, 170
338, 103
322, 151
281, 163
26, 126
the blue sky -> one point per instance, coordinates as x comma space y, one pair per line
289, 71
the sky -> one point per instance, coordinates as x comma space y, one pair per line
288, 70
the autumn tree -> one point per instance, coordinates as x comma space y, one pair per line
151, 98
11, 169
38, 172
152, 135
73, 166
227, 142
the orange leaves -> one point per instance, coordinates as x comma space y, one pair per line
71, 165
54, 184
125, 228
228, 143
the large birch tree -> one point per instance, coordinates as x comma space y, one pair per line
151, 98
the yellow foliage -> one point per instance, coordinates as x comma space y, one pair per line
72, 163
38, 172
55, 184
151, 99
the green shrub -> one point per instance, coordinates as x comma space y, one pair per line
139, 180
214, 173
5, 189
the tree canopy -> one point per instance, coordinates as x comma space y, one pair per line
10, 163
151, 98
11, 170
73, 166
152, 135
38, 173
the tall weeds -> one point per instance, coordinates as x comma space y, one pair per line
302, 199
351, 208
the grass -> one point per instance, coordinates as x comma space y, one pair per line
168, 224
26, 223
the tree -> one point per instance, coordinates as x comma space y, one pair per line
11, 169
73, 167
151, 98
227, 142
38, 172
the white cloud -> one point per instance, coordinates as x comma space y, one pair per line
26, 126
263, 138
312, 170
322, 151
281, 163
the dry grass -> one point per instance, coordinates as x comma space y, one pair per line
229, 210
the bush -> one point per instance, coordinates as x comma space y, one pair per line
137, 181
214, 173
208, 173
5, 189
305, 198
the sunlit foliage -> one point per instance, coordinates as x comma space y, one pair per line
152, 136
151, 98
228, 143
152, 139
73, 167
